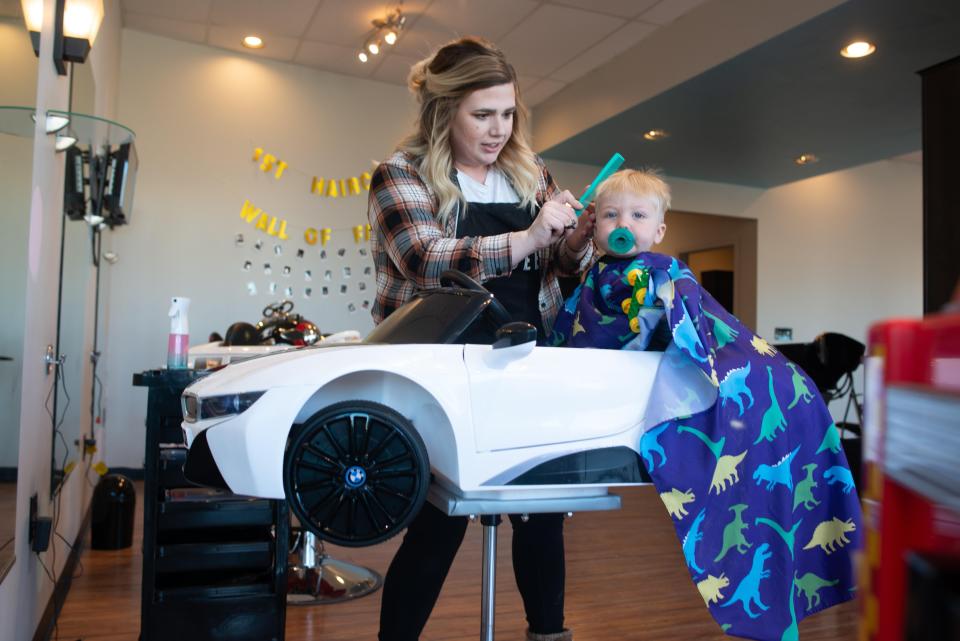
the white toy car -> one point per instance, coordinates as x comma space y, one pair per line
349, 434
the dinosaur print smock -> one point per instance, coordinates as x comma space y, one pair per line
749, 465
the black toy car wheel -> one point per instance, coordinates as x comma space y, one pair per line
356, 473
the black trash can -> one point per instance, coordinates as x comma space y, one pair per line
114, 502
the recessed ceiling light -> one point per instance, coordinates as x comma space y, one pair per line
656, 134
253, 42
858, 49
806, 159
363, 56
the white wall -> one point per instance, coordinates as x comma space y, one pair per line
198, 113
841, 251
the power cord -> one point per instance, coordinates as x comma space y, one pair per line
59, 382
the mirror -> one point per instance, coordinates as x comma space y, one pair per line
70, 405
18, 86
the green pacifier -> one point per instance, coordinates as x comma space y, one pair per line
620, 241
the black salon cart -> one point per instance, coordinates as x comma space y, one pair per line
214, 564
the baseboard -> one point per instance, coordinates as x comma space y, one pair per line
133, 473
45, 628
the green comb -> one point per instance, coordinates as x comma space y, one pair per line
612, 165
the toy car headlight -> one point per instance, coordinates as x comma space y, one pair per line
196, 408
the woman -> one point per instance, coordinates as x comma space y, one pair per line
465, 191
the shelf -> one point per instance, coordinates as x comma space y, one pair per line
17, 121
90, 131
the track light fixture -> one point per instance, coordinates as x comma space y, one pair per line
385, 31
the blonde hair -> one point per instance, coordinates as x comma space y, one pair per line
646, 182
440, 83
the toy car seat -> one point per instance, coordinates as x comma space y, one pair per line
241, 334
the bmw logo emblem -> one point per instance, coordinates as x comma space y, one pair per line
355, 477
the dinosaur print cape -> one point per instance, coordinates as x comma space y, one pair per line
747, 461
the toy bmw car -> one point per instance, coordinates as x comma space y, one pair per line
353, 434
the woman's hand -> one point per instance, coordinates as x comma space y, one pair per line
556, 216
551, 223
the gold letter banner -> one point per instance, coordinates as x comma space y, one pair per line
274, 226
323, 187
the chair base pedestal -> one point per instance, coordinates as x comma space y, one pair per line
323, 579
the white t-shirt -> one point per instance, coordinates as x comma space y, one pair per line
495, 189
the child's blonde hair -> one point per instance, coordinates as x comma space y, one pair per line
647, 182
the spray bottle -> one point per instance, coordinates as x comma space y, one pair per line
179, 340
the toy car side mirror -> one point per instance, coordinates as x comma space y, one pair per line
516, 333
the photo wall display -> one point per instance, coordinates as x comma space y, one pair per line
335, 273
291, 241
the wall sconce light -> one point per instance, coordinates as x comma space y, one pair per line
75, 28
385, 31
63, 141
58, 124
54, 122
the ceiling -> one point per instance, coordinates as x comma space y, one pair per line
550, 43
743, 86
746, 119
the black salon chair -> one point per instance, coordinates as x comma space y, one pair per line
830, 361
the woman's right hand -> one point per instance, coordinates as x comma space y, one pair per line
555, 216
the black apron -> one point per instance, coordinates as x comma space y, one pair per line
519, 292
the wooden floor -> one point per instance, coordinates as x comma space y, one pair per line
626, 580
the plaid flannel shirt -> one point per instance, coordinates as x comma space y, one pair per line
411, 249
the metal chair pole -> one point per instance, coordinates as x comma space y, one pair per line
489, 581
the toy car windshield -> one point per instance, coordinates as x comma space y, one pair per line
444, 315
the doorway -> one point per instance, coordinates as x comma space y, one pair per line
714, 269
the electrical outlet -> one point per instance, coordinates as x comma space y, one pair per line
40, 527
